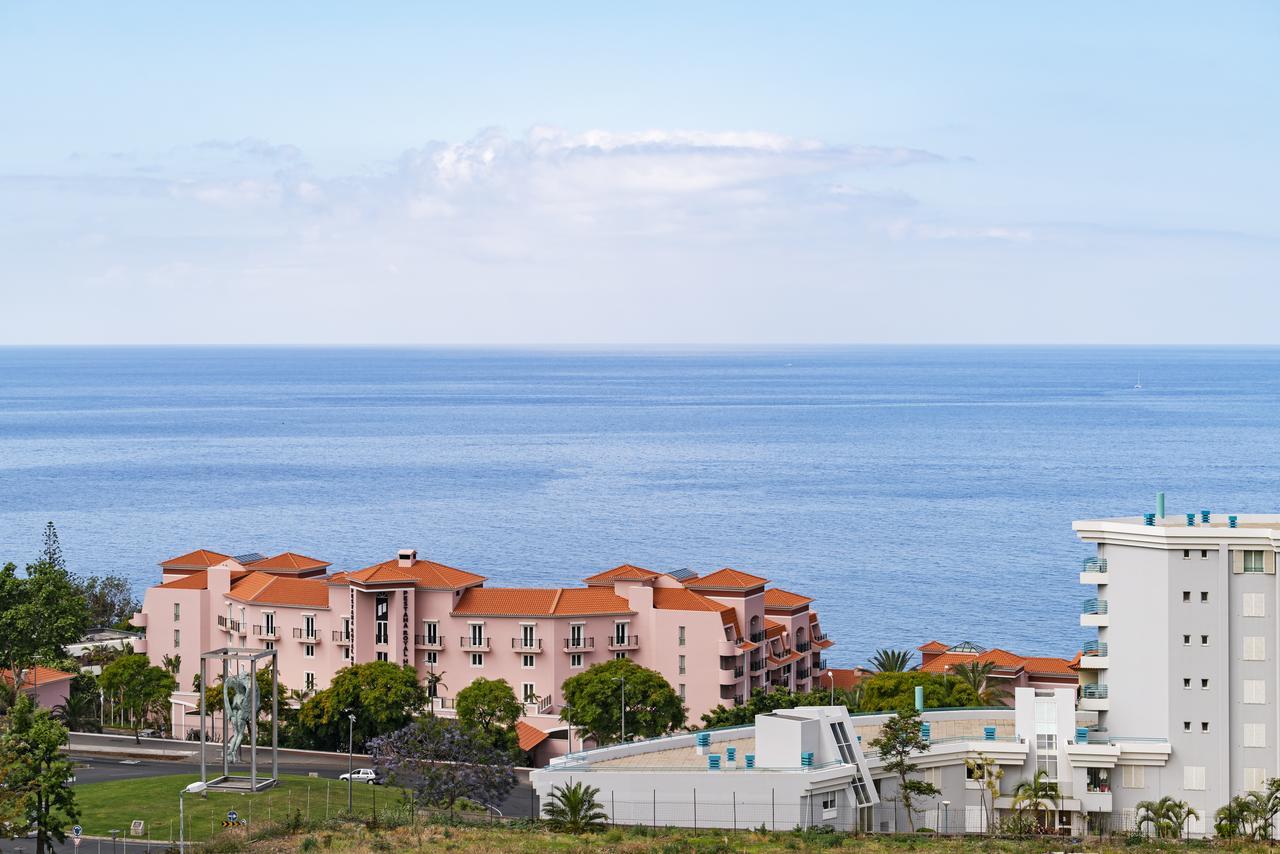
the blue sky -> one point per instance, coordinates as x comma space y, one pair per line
639, 173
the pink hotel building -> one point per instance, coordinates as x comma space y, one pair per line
714, 637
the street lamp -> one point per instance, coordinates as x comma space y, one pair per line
351, 728
832, 677
623, 680
195, 788
946, 811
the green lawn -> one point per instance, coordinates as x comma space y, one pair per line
114, 805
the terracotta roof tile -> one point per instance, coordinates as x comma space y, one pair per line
825, 643
263, 588
194, 581
38, 675
727, 579
681, 599
535, 602
776, 597
626, 572
1049, 665
290, 562
934, 646
424, 573
844, 678
529, 736
198, 559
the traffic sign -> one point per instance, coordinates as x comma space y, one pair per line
77, 830
75, 842
231, 815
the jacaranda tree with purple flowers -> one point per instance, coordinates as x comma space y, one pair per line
440, 761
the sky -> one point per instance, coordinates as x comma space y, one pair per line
629, 174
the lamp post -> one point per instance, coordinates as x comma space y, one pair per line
832, 677
623, 681
946, 810
351, 728
568, 718
195, 788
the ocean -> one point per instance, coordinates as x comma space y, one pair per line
917, 493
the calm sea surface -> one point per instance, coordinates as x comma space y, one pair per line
917, 493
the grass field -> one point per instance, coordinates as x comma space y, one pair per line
113, 805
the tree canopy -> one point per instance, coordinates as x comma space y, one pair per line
382, 696
36, 774
595, 697
109, 600
41, 611
490, 707
141, 689
885, 692
762, 702
440, 761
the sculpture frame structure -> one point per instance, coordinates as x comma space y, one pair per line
228, 781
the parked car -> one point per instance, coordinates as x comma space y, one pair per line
363, 775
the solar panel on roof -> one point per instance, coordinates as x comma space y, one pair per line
682, 574
251, 557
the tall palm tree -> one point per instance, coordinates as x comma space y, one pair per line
78, 713
172, 663
891, 660
1039, 794
435, 681
977, 675
574, 808
1167, 816
1241, 817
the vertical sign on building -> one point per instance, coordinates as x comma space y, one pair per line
352, 639
404, 618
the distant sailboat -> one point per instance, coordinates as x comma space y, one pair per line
1138, 384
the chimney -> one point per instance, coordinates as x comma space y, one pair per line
407, 557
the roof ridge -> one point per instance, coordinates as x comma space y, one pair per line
556, 601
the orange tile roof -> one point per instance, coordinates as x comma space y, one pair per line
626, 572
824, 644
727, 579
772, 629
529, 736
786, 659
263, 588
1003, 659
424, 573
194, 581
545, 602
1049, 665
290, 562
681, 599
38, 675
198, 559
844, 678
934, 646
776, 597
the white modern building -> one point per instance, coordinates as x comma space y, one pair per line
1185, 608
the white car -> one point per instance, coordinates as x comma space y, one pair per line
363, 775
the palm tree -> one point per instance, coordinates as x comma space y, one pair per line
977, 675
172, 663
78, 713
574, 808
1035, 794
435, 681
1166, 816
891, 660
1241, 817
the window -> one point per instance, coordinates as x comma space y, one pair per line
308, 681
680, 634
177, 638
526, 661
1255, 604
1204, 726
1255, 779
1186, 726
575, 660
269, 623
841, 735
620, 631
308, 650
433, 658
346, 653
381, 608
619, 655
1186, 683
1193, 778
1255, 648
1133, 777
1253, 561
346, 628
932, 776
177, 611
1255, 691
1204, 596
1186, 595
1204, 684
308, 625
1047, 754
576, 641
381, 655
477, 634
681, 665
477, 659
829, 805
527, 694
681, 690
527, 639
1186, 640
269, 645
1204, 554
1186, 554
1204, 640
431, 631
1255, 735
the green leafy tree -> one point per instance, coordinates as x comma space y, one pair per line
383, 696
37, 772
977, 675
1040, 795
573, 808
51, 553
140, 689
1167, 816
886, 692
41, 611
109, 600
596, 697
899, 740
891, 660
490, 707
80, 711
762, 702
1243, 817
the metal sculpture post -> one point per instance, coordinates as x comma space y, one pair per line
241, 706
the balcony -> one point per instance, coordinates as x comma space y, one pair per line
433, 642
526, 644
757, 637
231, 625
341, 638
267, 632
629, 642
818, 637
467, 643
1094, 571
301, 634
803, 646
802, 673
757, 664
1094, 613
1093, 698
572, 644
821, 665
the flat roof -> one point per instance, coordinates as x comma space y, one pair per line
686, 757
